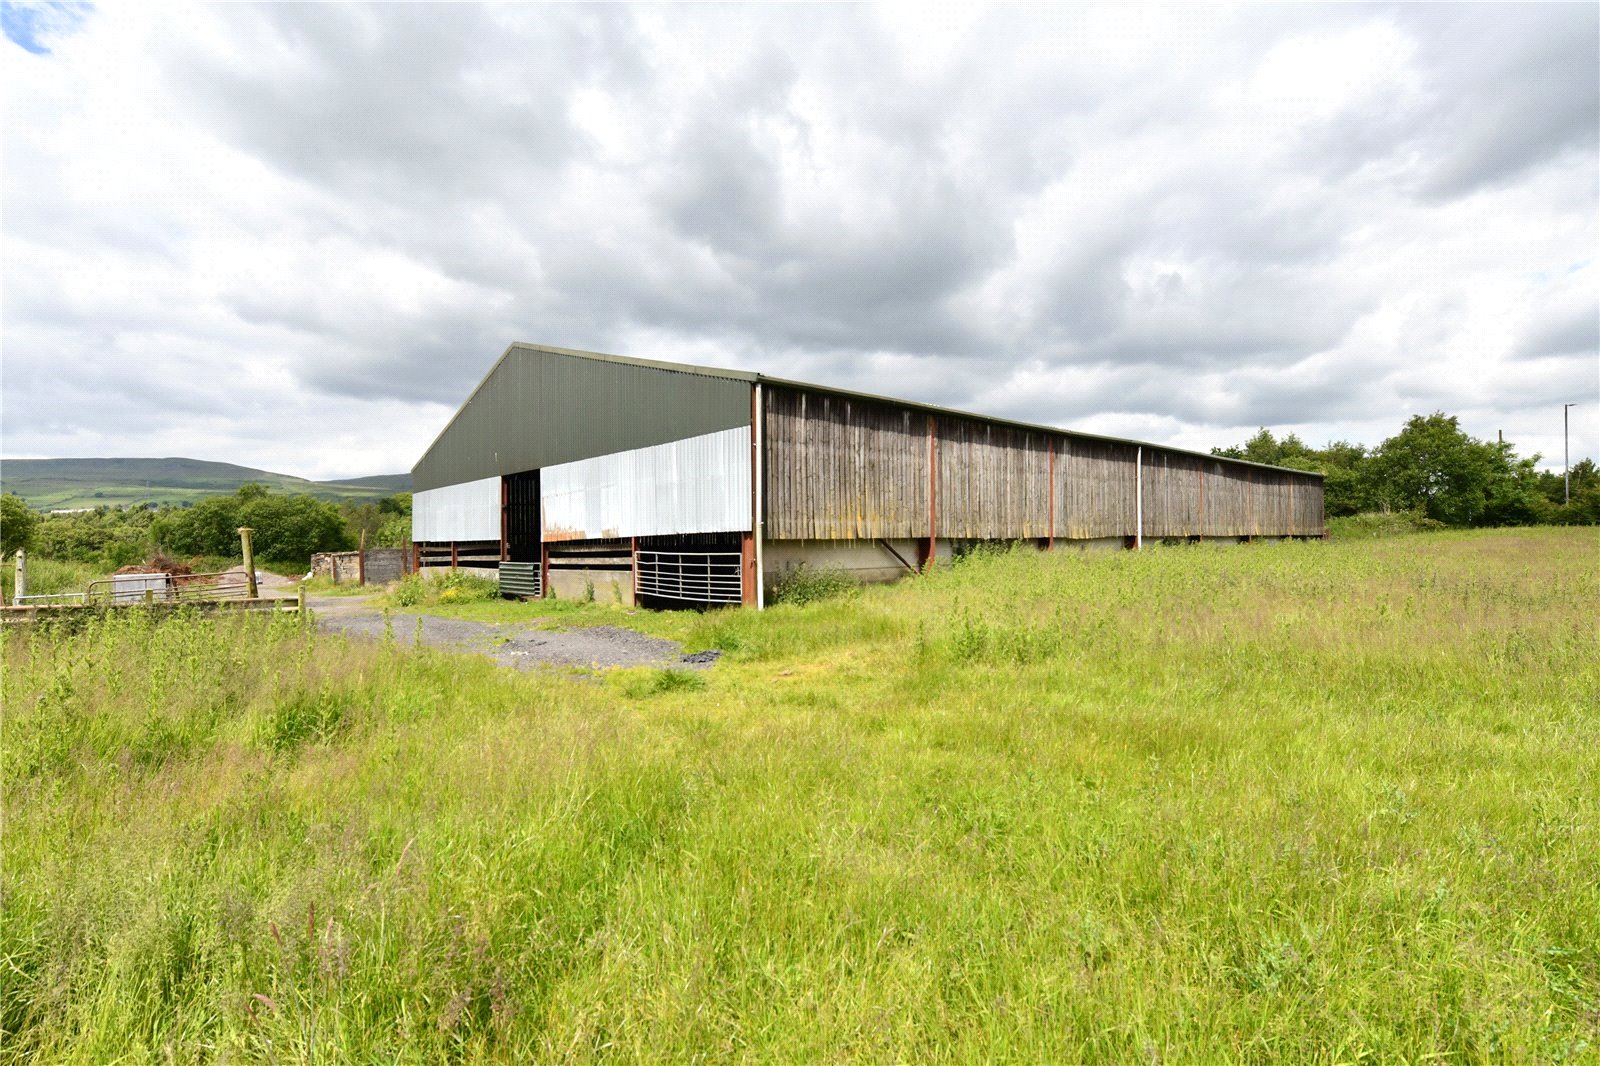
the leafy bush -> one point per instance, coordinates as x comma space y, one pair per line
287, 528
411, 591
107, 536
454, 586
803, 585
1381, 524
464, 587
17, 525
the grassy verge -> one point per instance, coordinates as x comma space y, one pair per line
1300, 802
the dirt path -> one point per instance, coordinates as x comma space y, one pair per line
515, 644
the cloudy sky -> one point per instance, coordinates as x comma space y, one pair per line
296, 236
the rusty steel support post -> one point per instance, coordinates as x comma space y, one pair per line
416, 557
544, 570
747, 569
455, 556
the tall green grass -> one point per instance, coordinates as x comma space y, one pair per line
1302, 802
50, 577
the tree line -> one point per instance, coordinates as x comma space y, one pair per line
289, 529
1431, 469
1435, 470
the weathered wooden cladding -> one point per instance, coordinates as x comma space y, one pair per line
1251, 501
1308, 507
1172, 499
841, 468
994, 481
1096, 488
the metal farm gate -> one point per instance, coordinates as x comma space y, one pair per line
698, 577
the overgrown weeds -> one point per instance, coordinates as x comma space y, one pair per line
445, 588
1294, 802
660, 681
804, 585
1382, 524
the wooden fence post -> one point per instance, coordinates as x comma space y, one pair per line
361, 561
249, 562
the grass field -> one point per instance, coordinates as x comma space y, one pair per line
1284, 803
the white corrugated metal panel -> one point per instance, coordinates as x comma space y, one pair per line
697, 485
469, 511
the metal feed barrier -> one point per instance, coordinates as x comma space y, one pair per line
48, 599
167, 588
699, 577
521, 579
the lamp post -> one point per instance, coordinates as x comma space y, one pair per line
1566, 455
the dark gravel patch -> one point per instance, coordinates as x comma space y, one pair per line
517, 645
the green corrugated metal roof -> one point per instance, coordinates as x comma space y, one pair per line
523, 416
661, 410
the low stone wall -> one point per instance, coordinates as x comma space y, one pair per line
383, 565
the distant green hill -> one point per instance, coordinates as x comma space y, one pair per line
56, 484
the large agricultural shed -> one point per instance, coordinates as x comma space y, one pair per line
578, 474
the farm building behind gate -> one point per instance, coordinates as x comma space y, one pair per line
571, 472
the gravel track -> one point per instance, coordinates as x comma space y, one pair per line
514, 644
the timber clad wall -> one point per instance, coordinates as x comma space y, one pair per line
1095, 489
994, 481
1171, 493
845, 468
839, 468
1308, 506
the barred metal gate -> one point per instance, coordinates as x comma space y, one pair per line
168, 588
699, 577
521, 579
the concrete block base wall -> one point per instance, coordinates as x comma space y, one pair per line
610, 586
490, 572
863, 560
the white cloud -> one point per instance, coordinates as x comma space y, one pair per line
296, 236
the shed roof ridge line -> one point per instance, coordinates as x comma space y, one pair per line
756, 377
1038, 427
579, 353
